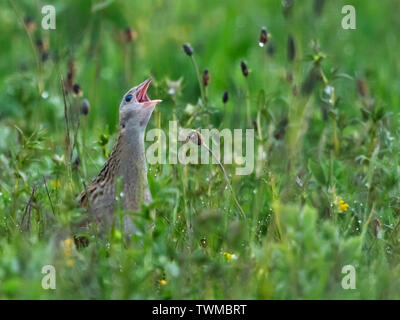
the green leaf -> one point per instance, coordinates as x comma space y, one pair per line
317, 171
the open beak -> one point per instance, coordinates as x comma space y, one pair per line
142, 96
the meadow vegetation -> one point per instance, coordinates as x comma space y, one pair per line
324, 103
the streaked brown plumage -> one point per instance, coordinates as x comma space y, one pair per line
126, 161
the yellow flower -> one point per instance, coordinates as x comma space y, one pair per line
55, 184
70, 262
68, 245
343, 206
227, 255
163, 282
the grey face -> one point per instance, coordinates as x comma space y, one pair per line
136, 108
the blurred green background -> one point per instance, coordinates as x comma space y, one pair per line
314, 148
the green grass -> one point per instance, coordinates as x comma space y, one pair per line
294, 240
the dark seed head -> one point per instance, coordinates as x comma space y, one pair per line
188, 49
291, 49
85, 107
195, 137
45, 55
245, 71
318, 6
312, 79
225, 97
204, 243
29, 24
69, 82
377, 226
71, 67
81, 242
129, 34
27, 20
289, 77
40, 45
255, 126
263, 37
280, 130
206, 78
76, 88
76, 163
362, 87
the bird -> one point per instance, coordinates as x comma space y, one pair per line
127, 161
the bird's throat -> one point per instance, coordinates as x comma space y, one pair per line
133, 171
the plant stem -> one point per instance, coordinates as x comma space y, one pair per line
248, 103
199, 79
48, 195
227, 180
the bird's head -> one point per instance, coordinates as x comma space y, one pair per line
136, 108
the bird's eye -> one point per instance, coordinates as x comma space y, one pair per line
128, 97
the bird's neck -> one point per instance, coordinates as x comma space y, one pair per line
133, 170
132, 144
